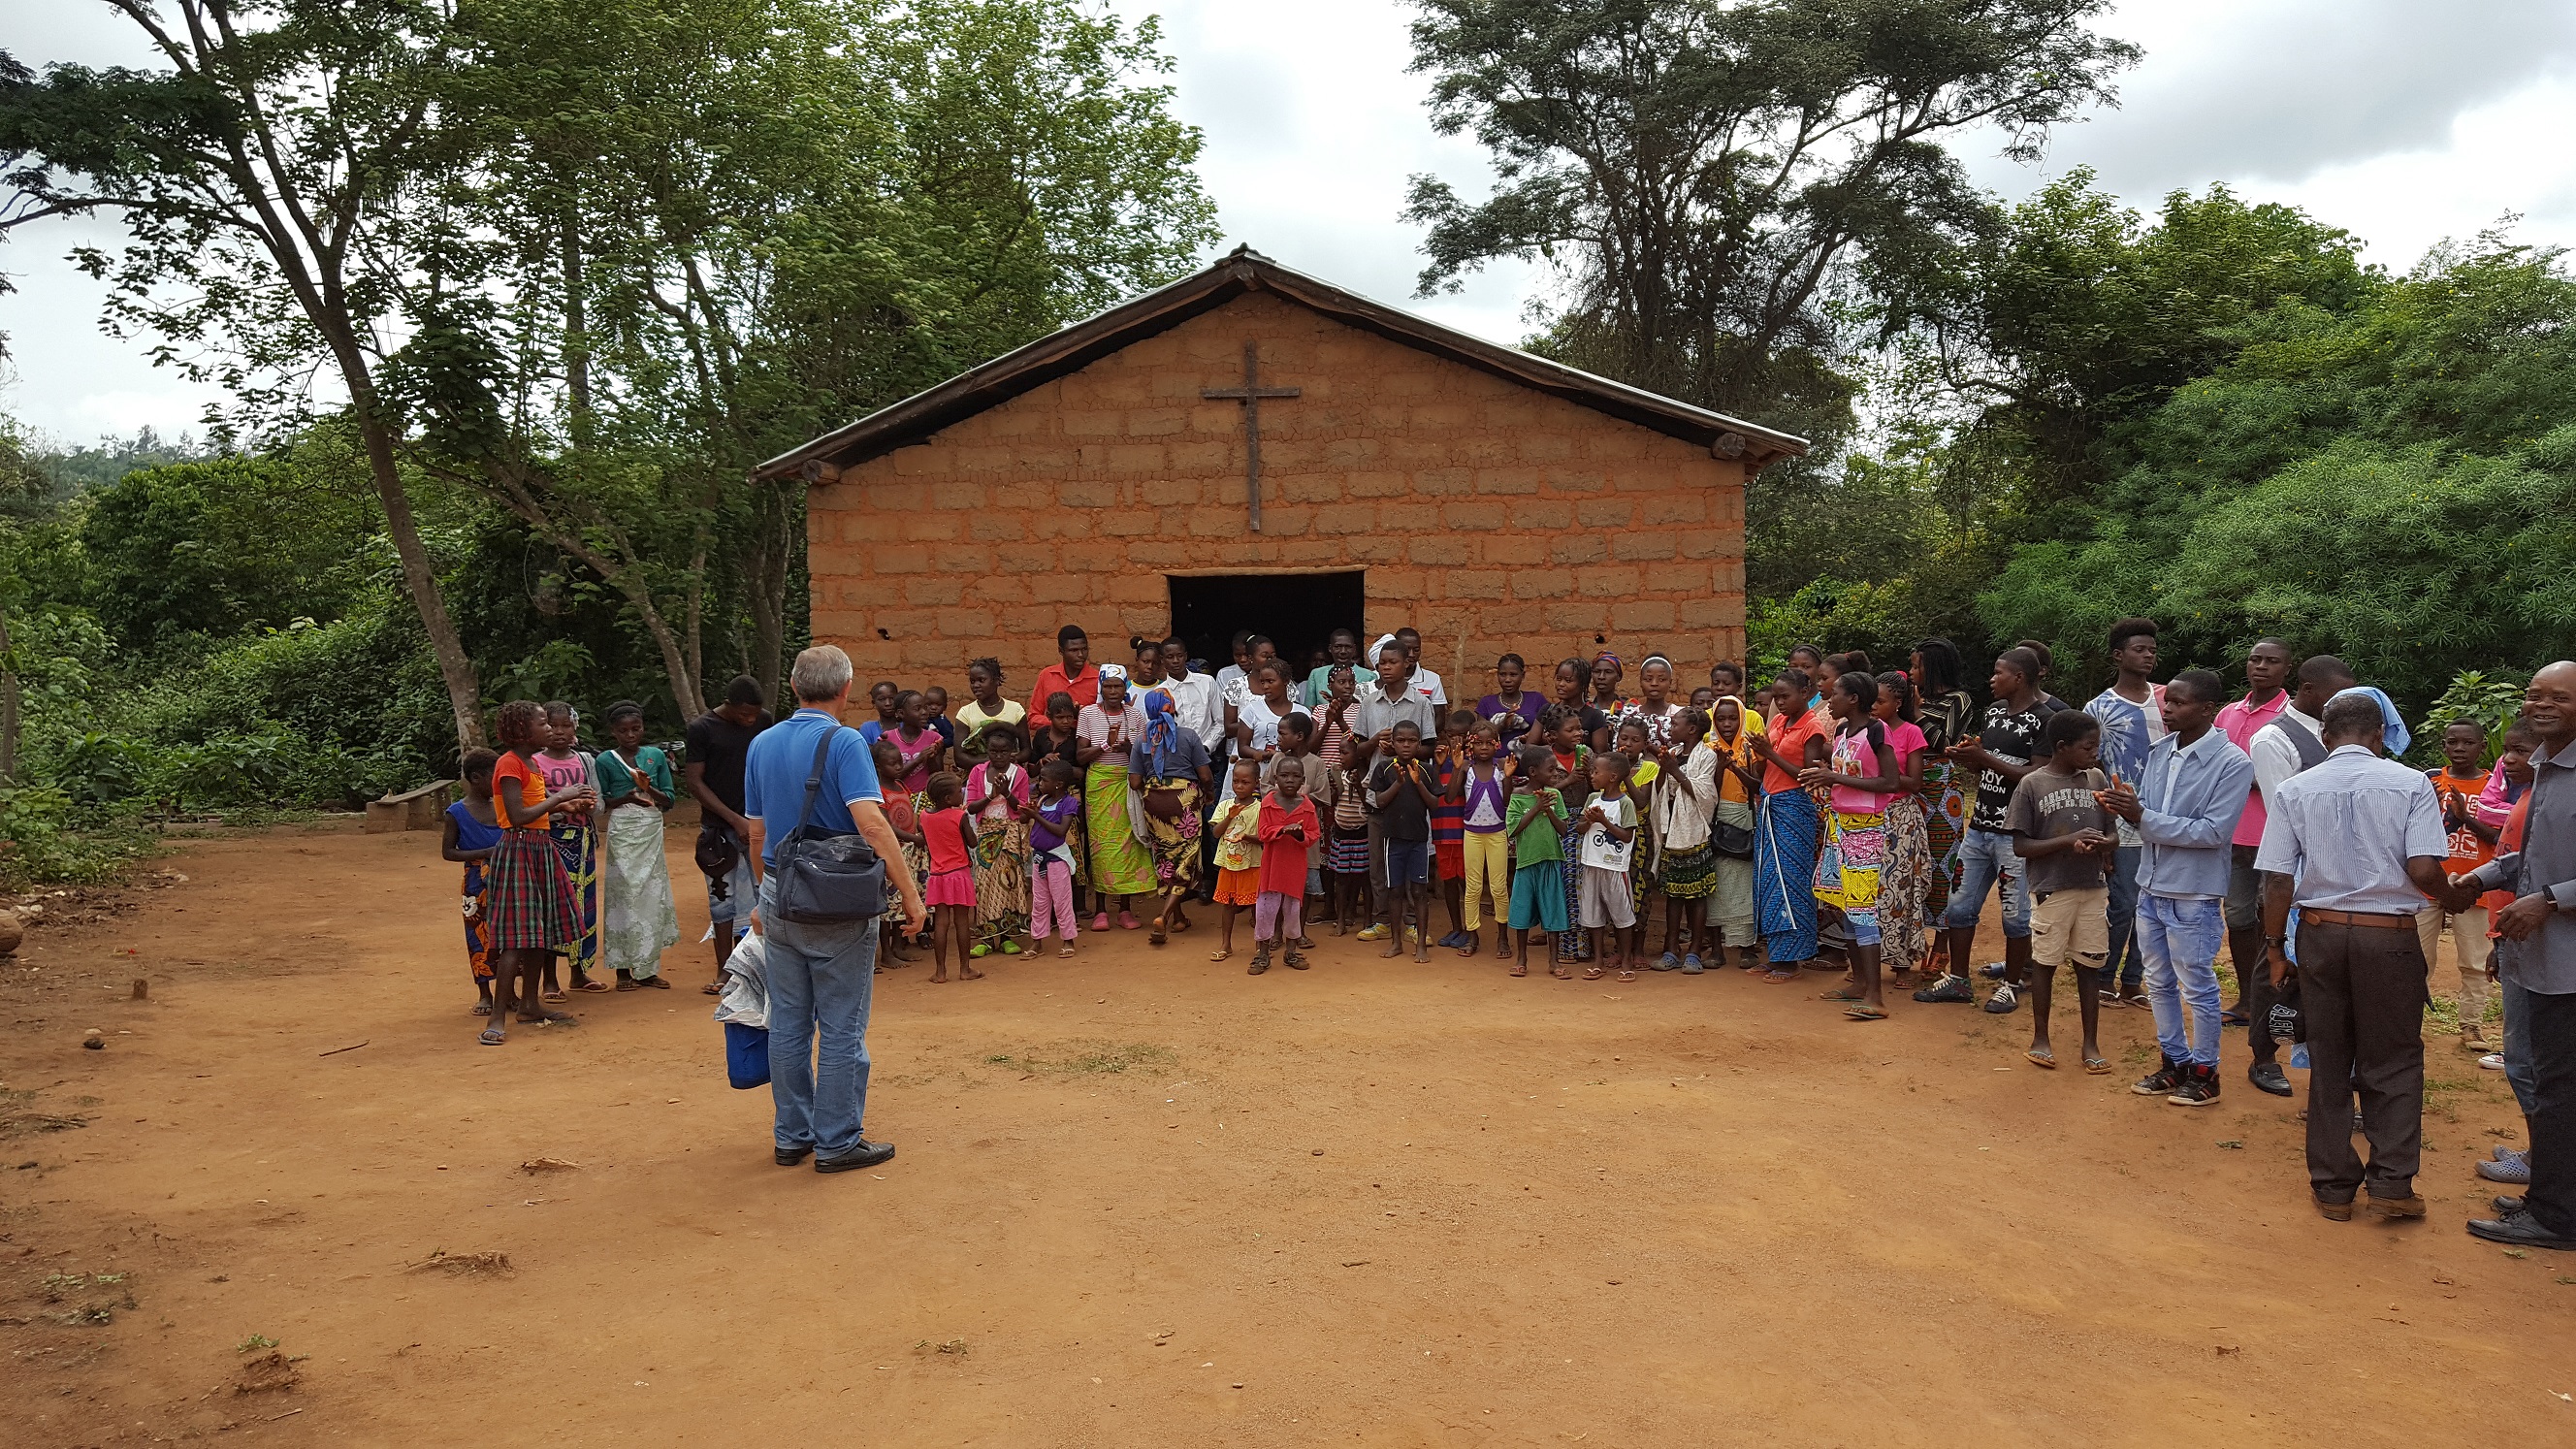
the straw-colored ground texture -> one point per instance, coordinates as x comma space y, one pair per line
1143, 1199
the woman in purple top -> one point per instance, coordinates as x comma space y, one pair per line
1510, 709
1051, 825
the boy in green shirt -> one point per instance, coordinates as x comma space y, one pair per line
1533, 826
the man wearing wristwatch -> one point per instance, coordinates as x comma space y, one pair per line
2355, 842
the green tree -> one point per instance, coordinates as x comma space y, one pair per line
211, 549
1708, 178
274, 177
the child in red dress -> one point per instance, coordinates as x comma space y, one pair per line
948, 837
1288, 831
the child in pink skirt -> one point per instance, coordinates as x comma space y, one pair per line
948, 836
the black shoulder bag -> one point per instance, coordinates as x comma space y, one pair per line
827, 879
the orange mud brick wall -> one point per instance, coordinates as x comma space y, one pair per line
1490, 516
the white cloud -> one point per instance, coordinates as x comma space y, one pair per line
2401, 121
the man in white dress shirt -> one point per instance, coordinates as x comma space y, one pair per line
2356, 842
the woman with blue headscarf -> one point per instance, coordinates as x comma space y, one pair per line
1168, 769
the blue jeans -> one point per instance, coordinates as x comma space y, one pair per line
2117, 974
1985, 857
2180, 941
820, 982
2517, 1042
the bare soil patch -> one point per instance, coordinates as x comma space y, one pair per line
1144, 1199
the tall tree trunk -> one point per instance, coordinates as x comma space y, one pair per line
765, 582
8, 707
464, 690
576, 324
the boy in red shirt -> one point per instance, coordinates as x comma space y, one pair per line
1288, 830
2462, 778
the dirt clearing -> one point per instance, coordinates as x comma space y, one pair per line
1143, 1199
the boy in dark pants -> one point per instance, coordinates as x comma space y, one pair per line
1402, 788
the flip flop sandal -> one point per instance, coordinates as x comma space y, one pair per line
559, 1018
1219, 955
1863, 1011
1560, 973
1626, 975
716, 988
1595, 973
493, 1036
2040, 1059
590, 986
1520, 971
554, 995
1061, 954
482, 1008
2097, 1066
1781, 978
1840, 993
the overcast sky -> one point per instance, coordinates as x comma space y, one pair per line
2401, 121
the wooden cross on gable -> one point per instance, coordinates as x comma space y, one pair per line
1250, 395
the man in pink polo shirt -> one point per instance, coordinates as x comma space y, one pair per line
2267, 665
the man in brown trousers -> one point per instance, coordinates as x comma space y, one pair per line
2357, 843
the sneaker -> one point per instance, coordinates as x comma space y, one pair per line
2511, 1171
2492, 1061
1373, 933
2161, 1081
2004, 1000
1947, 990
2197, 1089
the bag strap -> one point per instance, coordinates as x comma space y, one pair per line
813, 784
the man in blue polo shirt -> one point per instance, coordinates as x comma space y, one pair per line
820, 976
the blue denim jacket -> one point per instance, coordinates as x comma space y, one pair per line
2188, 804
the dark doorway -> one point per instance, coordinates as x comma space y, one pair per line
1298, 611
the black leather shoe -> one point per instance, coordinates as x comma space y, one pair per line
2507, 1204
2519, 1231
866, 1154
790, 1156
2268, 1077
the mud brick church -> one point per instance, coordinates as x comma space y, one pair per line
1252, 448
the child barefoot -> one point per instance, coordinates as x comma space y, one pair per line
1609, 826
1402, 788
1051, 828
530, 904
906, 821
948, 834
468, 836
1237, 824
1534, 829
1288, 830
2059, 826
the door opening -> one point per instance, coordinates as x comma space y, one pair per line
1298, 611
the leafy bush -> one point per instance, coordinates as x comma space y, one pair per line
45, 837
2491, 702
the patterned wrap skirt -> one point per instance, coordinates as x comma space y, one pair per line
1690, 875
1176, 841
529, 904
1001, 880
1848, 869
1784, 874
1945, 825
576, 841
1902, 884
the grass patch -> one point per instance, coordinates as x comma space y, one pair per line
1086, 1058
18, 1117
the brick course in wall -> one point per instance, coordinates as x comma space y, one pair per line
1488, 515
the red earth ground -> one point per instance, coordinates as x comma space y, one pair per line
1144, 1199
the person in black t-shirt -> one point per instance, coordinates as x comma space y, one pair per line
719, 742
2006, 748
1401, 788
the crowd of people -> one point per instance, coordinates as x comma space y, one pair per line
1832, 819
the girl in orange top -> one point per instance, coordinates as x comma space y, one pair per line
529, 907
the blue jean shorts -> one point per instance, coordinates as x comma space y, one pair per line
1986, 857
1408, 862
